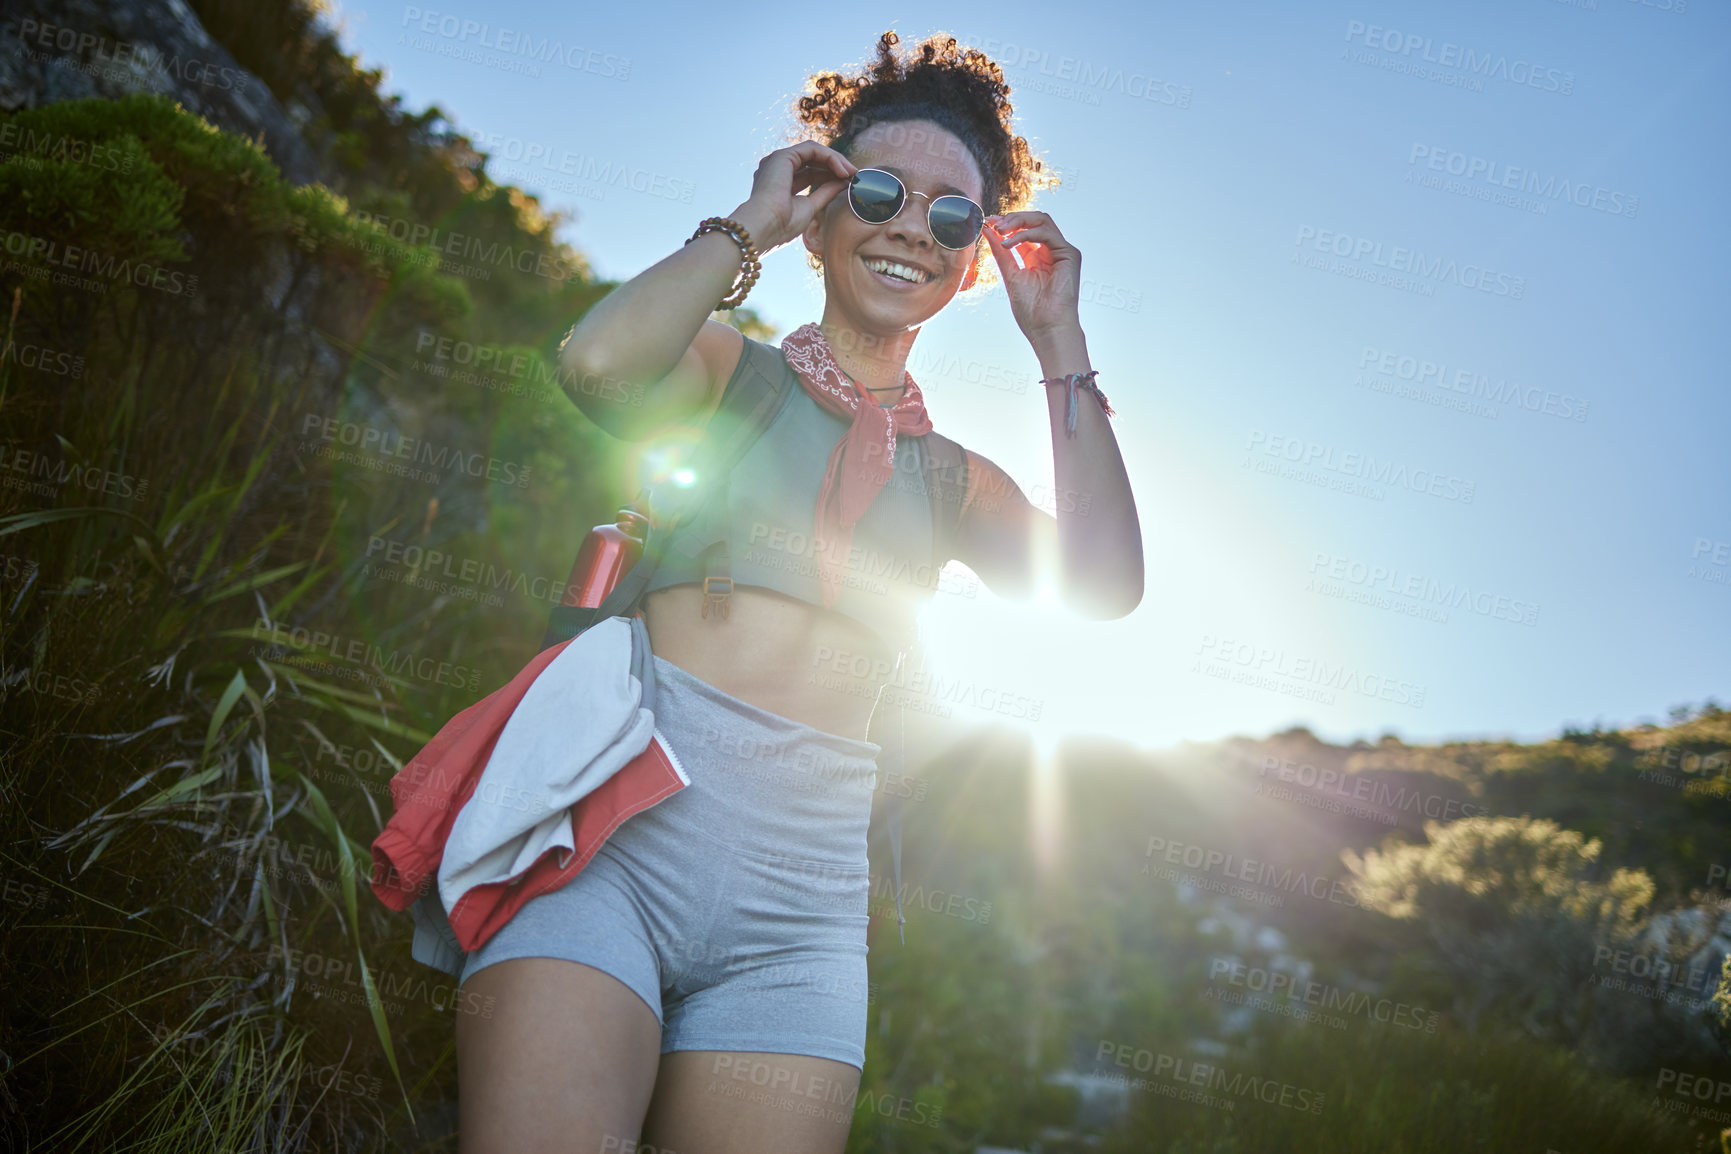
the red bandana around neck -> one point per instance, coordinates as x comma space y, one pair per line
863, 461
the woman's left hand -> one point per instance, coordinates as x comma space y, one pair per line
1044, 295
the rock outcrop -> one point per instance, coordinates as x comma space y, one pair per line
53, 50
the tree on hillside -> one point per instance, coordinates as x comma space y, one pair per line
1530, 930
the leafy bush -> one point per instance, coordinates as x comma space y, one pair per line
1517, 912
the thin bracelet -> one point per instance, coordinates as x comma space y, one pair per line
750, 266
1071, 382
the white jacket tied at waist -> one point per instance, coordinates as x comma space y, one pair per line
589, 713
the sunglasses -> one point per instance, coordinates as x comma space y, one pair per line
877, 196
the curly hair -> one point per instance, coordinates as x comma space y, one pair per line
959, 89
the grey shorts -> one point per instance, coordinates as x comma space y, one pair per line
736, 908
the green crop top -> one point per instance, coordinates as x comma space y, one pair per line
768, 518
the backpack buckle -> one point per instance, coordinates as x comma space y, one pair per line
719, 601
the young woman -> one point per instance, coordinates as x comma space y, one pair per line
700, 987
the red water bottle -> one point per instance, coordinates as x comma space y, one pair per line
608, 553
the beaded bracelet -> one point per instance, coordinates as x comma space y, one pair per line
1071, 383
750, 266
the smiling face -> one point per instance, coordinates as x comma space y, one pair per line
928, 159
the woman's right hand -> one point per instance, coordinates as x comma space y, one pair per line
775, 213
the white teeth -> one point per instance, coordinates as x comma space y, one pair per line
900, 271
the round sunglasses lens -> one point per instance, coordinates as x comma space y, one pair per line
876, 196
956, 221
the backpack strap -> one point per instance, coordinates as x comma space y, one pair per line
946, 475
893, 800
945, 465
754, 395
717, 581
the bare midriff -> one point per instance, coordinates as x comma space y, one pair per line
784, 655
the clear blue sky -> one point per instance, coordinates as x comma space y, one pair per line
1215, 153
